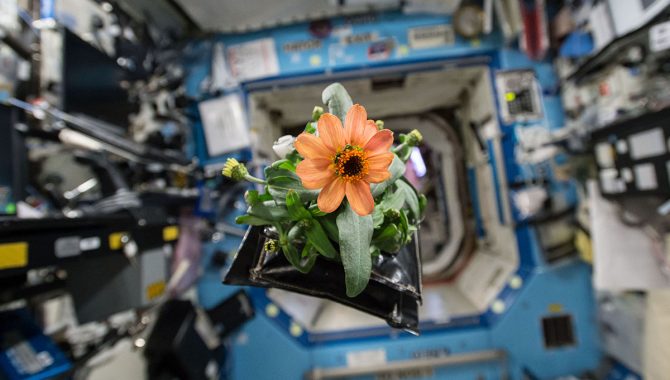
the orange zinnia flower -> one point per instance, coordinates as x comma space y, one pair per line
345, 161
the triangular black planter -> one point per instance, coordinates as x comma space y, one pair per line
393, 293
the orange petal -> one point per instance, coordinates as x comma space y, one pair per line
310, 146
368, 132
380, 162
379, 143
376, 176
331, 196
360, 197
354, 124
331, 132
314, 173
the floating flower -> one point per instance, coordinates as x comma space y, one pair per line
345, 161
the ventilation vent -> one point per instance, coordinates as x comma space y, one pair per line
380, 84
558, 331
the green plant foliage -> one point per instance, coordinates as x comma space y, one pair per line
307, 234
337, 99
355, 236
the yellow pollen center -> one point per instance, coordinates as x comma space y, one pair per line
351, 163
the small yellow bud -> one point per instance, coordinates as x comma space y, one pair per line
234, 170
316, 113
379, 124
270, 246
414, 138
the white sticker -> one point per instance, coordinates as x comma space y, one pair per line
622, 147
645, 177
254, 59
25, 359
224, 121
361, 38
366, 358
430, 36
604, 155
9, 15
90, 243
341, 31
67, 246
647, 144
659, 37
610, 181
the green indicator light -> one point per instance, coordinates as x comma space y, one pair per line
10, 208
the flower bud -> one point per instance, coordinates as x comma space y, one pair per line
270, 246
379, 124
234, 170
392, 215
316, 113
414, 138
284, 146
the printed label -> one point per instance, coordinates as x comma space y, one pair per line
366, 358
659, 37
67, 246
430, 36
298, 46
359, 38
254, 59
89, 244
26, 361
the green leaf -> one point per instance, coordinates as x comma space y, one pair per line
295, 234
287, 242
391, 246
393, 201
252, 220
291, 254
308, 258
389, 239
403, 151
377, 217
285, 183
251, 197
310, 127
355, 233
317, 236
284, 167
337, 99
423, 201
280, 185
329, 225
268, 211
387, 233
404, 226
308, 250
276, 170
287, 165
296, 210
397, 169
411, 198
294, 157
314, 209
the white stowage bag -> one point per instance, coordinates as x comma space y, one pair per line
657, 335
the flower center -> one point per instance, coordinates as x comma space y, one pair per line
351, 163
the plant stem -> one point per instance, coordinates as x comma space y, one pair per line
403, 152
253, 179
